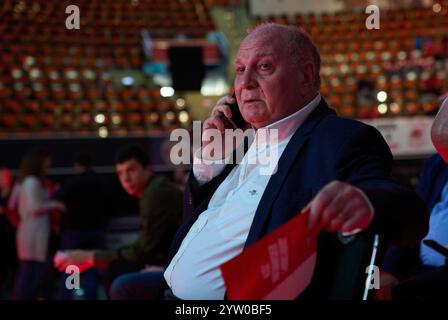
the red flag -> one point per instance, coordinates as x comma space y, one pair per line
277, 267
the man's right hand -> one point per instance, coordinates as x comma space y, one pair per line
219, 119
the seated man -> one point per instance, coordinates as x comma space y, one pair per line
421, 269
337, 167
160, 214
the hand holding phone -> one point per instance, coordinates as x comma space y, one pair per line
237, 118
225, 115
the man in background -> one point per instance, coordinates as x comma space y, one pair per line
160, 214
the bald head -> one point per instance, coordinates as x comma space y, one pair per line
277, 73
300, 47
439, 131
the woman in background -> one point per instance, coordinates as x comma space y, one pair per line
33, 232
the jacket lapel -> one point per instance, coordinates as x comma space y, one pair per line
285, 163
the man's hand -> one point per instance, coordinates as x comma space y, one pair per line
83, 259
341, 207
219, 119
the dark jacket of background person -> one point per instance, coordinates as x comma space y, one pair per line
160, 216
432, 180
326, 147
403, 261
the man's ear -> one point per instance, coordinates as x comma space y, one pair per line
308, 73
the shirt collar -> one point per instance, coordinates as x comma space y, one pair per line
289, 124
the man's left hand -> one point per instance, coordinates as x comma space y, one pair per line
83, 259
339, 206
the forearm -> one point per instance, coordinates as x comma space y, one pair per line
102, 258
135, 252
365, 161
42, 208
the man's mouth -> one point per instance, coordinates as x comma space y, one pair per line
250, 101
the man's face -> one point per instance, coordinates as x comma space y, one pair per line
133, 176
268, 82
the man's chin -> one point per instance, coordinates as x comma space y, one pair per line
257, 123
131, 192
254, 119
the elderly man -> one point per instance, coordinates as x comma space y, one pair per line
160, 204
338, 167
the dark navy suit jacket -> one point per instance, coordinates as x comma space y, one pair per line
324, 148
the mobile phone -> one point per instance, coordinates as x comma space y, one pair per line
237, 118
437, 247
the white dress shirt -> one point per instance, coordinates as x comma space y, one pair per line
220, 232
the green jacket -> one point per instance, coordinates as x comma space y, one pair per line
160, 215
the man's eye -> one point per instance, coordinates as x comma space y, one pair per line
239, 70
264, 66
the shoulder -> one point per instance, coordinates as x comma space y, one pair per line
31, 185
344, 126
336, 131
160, 186
31, 182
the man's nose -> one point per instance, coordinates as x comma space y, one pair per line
248, 80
